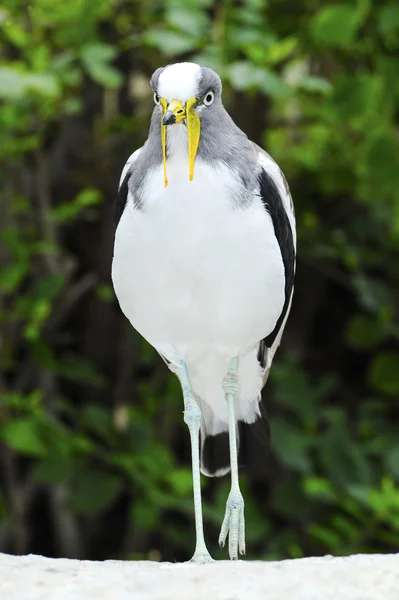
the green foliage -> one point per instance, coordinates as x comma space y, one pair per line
96, 59
90, 422
23, 435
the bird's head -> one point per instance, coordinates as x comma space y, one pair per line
185, 93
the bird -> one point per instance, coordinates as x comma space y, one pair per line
203, 268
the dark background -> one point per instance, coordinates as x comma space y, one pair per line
94, 454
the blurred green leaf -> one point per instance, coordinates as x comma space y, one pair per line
335, 25
382, 158
357, 96
291, 447
312, 83
70, 210
98, 420
181, 481
12, 83
245, 76
24, 436
319, 488
12, 276
170, 42
330, 538
96, 59
383, 373
144, 515
392, 461
388, 20
186, 18
15, 84
53, 470
78, 369
364, 332
94, 491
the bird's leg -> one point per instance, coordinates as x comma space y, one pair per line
192, 417
233, 523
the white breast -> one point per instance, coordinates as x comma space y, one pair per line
191, 271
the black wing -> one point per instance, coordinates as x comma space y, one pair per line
282, 229
122, 197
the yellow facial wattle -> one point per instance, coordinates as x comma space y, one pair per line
193, 130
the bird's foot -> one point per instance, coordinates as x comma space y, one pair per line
201, 556
234, 525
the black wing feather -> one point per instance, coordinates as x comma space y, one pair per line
282, 229
122, 198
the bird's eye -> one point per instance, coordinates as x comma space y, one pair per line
156, 98
209, 98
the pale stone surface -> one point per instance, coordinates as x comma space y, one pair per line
361, 577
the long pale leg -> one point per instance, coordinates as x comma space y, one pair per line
233, 523
192, 417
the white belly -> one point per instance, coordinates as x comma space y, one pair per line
191, 272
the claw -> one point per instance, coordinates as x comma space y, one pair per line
234, 525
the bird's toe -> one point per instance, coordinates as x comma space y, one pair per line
233, 526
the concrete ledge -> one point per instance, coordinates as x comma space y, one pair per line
361, 577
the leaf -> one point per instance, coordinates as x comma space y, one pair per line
55, 469
68, 211
23, 435
319, 488
12, 83
246, 76
290, 444
79, 369
49, 286
361, 493
383, 373
347, 527
357, 96
280, 50
105, 292
43, 83
392, 461
98, 419
330, 538
170, 42
364, 332
341, 458
15, 84
373, 294
4, 15
188, 19
88, 197
96, 58
382, 157
296, 392
43, 355
181, 481
94, 490
311, 83
388, 19
273, 85
335, 25
11, 276
144, 515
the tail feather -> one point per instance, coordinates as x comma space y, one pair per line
253, 446
215, 455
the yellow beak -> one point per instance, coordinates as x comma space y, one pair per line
175, 112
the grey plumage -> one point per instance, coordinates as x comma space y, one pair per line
220, 141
